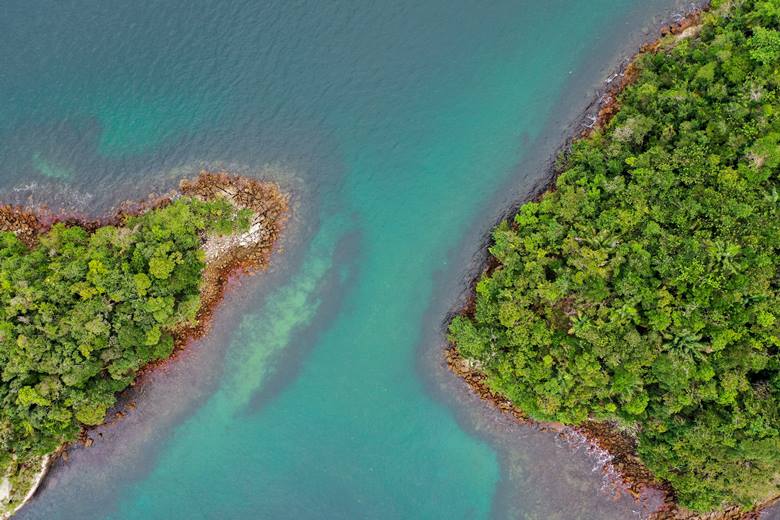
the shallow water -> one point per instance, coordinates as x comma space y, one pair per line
403, 130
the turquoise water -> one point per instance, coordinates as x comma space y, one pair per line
402, 130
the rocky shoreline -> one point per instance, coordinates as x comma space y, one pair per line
620, 447
632, 476
226, 257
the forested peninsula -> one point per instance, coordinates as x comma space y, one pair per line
86, 305
642, 291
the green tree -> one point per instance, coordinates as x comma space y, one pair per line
644, 289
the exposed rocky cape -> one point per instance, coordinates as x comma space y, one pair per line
226, 257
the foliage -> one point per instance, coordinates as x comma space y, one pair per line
81, 313
645, 287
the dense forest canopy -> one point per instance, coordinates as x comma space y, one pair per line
644, 288
81, 312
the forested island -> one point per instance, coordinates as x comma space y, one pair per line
86, 305
642, 290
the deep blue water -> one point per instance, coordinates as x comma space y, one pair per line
402, 130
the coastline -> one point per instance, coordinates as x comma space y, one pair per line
619, 447
226, 258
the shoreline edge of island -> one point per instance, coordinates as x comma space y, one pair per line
627, 472
226, 257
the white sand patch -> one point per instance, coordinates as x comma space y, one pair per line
33, 487
217, 246
5, 490
689, 32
